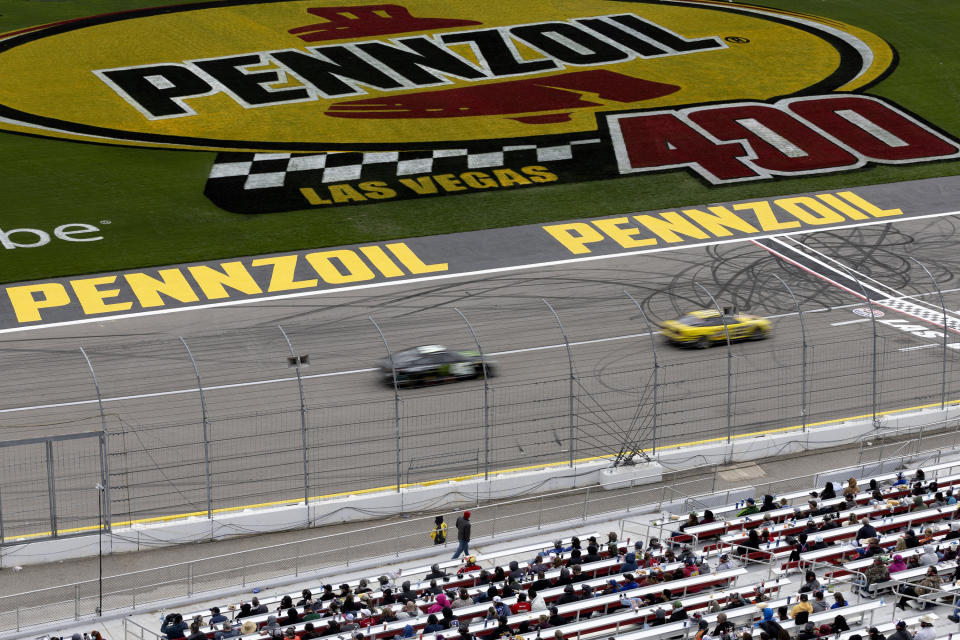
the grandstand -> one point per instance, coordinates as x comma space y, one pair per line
737, 571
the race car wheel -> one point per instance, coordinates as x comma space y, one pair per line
491, 372
758, 334
702, 343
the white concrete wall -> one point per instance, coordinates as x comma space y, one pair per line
355, 508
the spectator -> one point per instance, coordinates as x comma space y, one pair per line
435, 572
838, 601
555, 618
306, 598
578, 574
592, 554
866, 530
910, 540
327, 594
901, 632
245, 611
874, 634
818, 603
828, 492
768, 503
725, 564
285, 603
810, 582
541, 582
537, 603
463, 599
707, 518
521, 605
567, 596
256, 608
226, 631
724, 626
216, 617
692, 521
441, 602
679, 613
629, 562
333, 628
926, 631
409, 611
751, 508
350, 625
897, 565
877, 572
433, 624
803, 606
629, 582
807, 633
248, 628
768, 625
929, 556
314, 612
173, 626
735, 601
613, 548
463, 535
851, 489
703, 629
439, 532
272, 627
290, 634
930, 582
752, 543
293, 616
501, 608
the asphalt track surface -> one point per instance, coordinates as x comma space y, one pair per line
153, 410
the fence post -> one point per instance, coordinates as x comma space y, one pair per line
566, 343
206, 439
586, 499
726, 331
104, 445
303, 425
803, 356
396, 396
656, 366
486, 398
51, 487
943, 309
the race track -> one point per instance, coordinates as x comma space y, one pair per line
154, 416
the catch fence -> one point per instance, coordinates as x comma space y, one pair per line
124, 431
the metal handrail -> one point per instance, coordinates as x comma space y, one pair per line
150, 577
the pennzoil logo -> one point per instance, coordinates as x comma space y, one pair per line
316, 103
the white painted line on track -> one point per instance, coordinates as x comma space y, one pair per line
160, 394
466, 274
840, 324
922, 346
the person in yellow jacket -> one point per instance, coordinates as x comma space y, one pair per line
439, 533
803, 605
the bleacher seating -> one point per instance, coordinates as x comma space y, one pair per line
613, 608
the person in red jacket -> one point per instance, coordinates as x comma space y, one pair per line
521, 605
470, 564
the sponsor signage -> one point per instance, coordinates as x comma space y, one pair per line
93, 298
318, 103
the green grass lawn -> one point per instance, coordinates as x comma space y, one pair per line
158, 214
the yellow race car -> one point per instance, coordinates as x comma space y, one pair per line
704, 328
